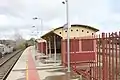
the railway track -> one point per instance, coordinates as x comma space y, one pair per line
7, 57
7, 64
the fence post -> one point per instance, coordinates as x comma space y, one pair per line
103, 57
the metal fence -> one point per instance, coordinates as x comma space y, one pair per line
95, 58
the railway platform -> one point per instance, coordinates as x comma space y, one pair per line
29, 67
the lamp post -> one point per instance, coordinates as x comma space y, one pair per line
41, 21
68, 36
34, 41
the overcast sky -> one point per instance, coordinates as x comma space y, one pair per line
16, 15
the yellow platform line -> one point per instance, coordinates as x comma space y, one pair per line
26, 71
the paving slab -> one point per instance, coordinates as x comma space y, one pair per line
28, 68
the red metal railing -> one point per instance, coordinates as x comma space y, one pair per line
96, 58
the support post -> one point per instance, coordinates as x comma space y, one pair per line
46, 48
49, 48
55, 55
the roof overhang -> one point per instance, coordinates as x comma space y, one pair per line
73, 25
41, 40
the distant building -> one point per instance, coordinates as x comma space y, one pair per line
8, 42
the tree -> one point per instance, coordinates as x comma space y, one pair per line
20, 41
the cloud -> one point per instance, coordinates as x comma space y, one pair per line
115, 6
12, 7
18, 14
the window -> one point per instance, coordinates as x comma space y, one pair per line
77, 30
60, 32
87, 31
82, 30
71, 30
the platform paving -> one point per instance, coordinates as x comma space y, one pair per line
30, 68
